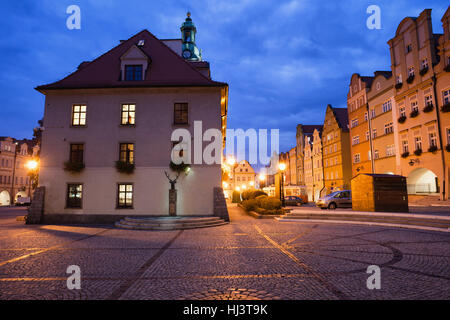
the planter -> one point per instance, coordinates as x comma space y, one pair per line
73, 167
410, 79
125, 167
428, 108
401, 119
414, 113
405, 154
398, 85
447, 68
423, 71
446, 107
432, 149
418, 152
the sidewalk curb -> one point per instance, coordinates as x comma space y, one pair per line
366, 223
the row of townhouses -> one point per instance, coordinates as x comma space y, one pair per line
14, 173
396, 121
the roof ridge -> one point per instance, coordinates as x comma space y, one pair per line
179, 57
92, 61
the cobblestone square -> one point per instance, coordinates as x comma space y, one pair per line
245, 259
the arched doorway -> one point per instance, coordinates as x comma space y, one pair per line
422, 181
5, 199
22, 194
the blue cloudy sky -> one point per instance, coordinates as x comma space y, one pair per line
284, 60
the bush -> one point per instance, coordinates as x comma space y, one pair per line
250, 205
446, 107
423, 71
432, 149
236, 197
124, 167
252, 194
410, 79
428, 108
272, 212
270, 203
73, 166
402, 119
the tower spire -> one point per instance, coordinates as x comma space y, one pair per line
189, 48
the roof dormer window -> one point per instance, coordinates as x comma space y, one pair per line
133, 72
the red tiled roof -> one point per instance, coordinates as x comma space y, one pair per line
167, 69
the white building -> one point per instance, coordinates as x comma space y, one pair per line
124, 106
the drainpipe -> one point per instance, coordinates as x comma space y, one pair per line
433, 78
369, 118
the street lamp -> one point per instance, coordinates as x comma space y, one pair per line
282, 167
31, 165
261, 178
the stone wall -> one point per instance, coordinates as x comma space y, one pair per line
220, 205
36, 210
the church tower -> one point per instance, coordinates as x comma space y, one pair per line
189, 49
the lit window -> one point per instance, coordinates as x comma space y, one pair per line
432, 139
128, 114
414, 106
411, 71
127, 153
402, 111
376, 154
125, 195
78, 115
374, 133
446, 96
133, 72
418, 143
74, 195
428, 100
405, 146
356, 158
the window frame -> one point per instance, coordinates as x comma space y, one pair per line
176, 121
68, 206
118, 205
122, 112
134, 73
128, 152
73, 112
71, 152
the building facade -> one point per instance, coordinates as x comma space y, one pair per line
121, 110
14, 179
336, 150
417, 64
243, 176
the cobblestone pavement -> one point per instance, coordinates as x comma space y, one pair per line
246, 259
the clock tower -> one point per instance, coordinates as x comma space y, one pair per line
189, 50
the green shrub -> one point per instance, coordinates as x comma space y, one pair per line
271, 212
270, 203
236, 197
73, 166
246, 194
257, 193
250, 205
125, 167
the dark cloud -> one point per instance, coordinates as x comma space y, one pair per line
284, 60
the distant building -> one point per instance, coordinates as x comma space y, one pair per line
336, 150
14, 179
243, 176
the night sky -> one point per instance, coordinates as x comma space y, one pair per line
283, 60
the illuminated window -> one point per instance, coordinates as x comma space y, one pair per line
125, 195
127, 153
78, 115
74, 195
128, 116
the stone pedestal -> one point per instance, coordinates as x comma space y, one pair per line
172, 202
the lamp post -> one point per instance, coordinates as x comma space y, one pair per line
282, 167
16, 146
262, 178
31, 166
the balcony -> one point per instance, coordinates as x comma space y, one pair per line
410, 79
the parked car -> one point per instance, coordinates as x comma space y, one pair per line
23, 201
341, 199
293, 201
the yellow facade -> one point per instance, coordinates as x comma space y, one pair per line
336, 150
